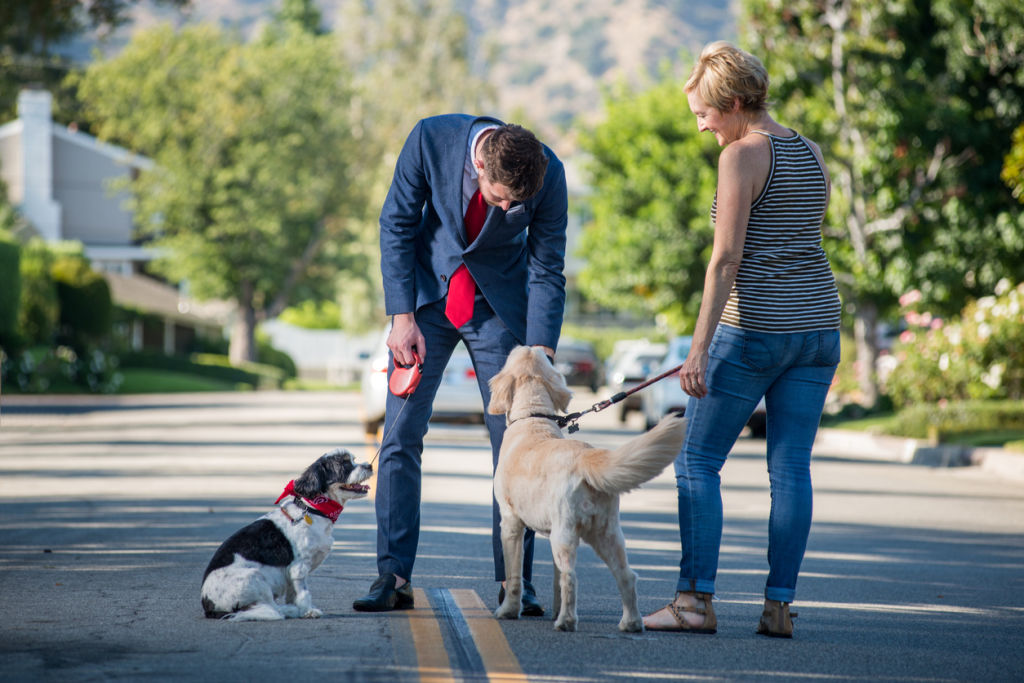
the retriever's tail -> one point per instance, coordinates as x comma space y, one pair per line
636, 461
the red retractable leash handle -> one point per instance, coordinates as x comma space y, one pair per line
402, 383
405, 378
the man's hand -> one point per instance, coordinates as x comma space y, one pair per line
405, 337
548, 351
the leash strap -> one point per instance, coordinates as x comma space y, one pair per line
572, 419
385, 437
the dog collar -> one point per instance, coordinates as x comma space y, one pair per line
321, 505
554, 418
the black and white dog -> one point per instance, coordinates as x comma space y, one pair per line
260, 572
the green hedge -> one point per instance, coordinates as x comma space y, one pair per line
266, 376
86, 307
957, 418
10, 292
40, 309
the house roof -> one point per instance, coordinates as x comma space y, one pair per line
151, 296
76, 137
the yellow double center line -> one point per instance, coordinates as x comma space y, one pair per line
457, 637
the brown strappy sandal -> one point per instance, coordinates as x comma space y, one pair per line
704, 607
776, 620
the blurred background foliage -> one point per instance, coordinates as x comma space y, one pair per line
977, 354
914, 102
274, 149
652, 178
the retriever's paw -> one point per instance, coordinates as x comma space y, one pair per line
313, 613
565, 624
506, 611
631, 625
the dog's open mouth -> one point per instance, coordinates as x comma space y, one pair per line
357, 488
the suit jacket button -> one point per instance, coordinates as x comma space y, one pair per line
444, 278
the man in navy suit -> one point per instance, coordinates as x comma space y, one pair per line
472, 238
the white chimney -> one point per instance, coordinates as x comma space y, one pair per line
38, 205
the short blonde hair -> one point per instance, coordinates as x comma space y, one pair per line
724, 72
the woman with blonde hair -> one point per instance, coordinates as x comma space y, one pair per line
768, 327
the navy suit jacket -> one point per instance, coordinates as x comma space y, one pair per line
518, 258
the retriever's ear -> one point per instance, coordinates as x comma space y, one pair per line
555, 385
502, 389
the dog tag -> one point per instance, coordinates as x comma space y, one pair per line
308, 520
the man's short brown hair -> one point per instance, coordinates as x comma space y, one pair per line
514, 157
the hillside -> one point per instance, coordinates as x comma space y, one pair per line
548, 60
554, 57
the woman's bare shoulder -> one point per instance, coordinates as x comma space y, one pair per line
749, 156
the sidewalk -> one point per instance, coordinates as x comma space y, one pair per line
905, 450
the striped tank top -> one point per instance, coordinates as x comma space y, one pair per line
784, 282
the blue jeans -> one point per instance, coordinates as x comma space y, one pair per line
793, 371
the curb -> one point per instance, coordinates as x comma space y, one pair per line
918, 452
866, 446
998, 461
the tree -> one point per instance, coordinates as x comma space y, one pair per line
409, 59
907, 120
302, 14
256, 162
652, 178
31, 30
1013, 165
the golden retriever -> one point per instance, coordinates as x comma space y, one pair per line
563, 488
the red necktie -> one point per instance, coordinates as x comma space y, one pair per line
461, 287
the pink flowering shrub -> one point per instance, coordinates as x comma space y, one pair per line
978, 356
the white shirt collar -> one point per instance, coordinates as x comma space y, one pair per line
473, 147
470, 177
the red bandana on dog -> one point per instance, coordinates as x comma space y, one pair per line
325, 506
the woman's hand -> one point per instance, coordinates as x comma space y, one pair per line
693, 374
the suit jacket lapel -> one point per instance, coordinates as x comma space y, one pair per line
458, 162
494, 218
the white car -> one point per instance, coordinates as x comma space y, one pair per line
631, 365
667, 396
458, 397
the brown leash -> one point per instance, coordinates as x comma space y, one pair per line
572, 419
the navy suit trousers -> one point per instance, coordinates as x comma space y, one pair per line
399, 473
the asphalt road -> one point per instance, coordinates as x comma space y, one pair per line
111, 508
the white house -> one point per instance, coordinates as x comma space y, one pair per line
60, 180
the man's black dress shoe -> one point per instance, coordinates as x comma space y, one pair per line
384, 597
531, 605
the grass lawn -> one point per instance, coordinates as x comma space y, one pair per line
874, 423
149, 381
994, 438
878, 424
